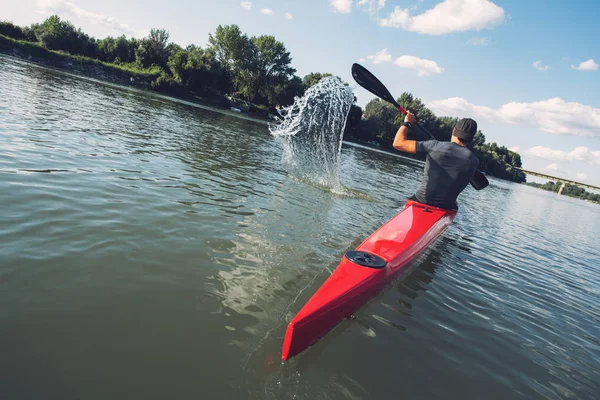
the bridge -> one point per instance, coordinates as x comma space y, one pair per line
557, 179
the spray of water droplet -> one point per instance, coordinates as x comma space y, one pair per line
311, 133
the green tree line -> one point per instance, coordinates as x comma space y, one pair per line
569, 190
257, 69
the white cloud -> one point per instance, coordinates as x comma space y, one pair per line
362, 60
422, 66
483, 41
342, 6
289, 16
539, 66
446, 17
246, 4
580, 153
552, 167
267, 11
554, 115
62, 8
382, 56
581, 176
589, 65
373, 6
376, 3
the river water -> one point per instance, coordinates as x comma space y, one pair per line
151, 249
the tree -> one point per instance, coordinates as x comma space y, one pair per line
515, 159
292, 89
379, 121
106, 49
198, 69
85, 45
260, 67
29, 34
231, 48
479, 139
56, 34
426, 118
177, 65
206, 73
444, 127
153, 50
119, 50
270, 69
11, 30
313, 78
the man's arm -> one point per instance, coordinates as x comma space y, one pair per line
400, 141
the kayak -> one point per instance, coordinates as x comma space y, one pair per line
363, 272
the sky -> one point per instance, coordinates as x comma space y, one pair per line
527, 71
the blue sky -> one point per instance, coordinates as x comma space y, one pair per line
527, 71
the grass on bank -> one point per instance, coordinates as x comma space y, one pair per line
37, 52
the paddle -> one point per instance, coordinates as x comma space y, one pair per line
368, 81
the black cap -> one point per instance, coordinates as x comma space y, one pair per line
466, 129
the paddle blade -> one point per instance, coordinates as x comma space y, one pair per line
479, 181
367, 80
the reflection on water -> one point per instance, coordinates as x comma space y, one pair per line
153, 249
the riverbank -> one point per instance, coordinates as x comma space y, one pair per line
123, 75
113, 73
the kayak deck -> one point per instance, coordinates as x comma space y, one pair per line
351, 285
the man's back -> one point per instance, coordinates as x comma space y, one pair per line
448, 169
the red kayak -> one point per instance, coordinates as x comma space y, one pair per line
363, 272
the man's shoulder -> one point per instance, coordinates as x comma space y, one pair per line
427, 146
437, 144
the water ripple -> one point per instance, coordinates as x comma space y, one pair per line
144, 238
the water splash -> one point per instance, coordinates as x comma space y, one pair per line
311, 132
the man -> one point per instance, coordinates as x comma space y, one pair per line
449, 165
